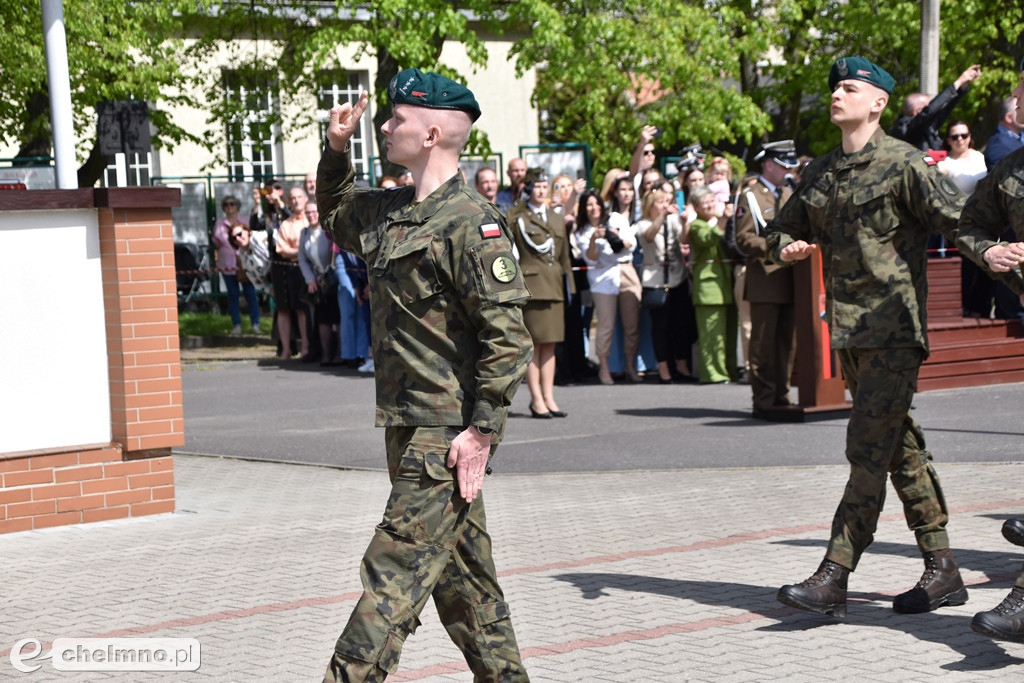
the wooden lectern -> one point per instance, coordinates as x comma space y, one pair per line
820, 387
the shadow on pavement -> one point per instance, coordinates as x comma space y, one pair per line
979, 653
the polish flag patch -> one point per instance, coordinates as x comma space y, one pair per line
489, 230
928, 160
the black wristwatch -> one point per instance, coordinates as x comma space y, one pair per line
484, 431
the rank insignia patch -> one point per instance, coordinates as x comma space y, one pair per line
504, 269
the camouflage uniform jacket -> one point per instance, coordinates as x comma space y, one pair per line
449, 343
871, 213
996, 205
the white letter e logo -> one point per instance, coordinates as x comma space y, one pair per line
17, 656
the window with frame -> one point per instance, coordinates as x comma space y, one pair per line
337, 87
252, 130
124, 170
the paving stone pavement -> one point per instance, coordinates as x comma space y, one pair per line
618, 577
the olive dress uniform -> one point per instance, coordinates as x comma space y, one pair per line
450, 349
545, 259
769, 289
871, 213
713, 303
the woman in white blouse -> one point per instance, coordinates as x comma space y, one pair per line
602, 249
964, 165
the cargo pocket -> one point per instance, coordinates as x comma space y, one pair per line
875, 209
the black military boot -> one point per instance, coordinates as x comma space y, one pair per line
939, 585
1006, 621
824, 592
1013, 531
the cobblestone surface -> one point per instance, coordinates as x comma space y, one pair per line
619, 577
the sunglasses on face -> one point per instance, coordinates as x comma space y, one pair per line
227, 204
648, 151
236, 235
959, 136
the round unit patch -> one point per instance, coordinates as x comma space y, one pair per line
504, 269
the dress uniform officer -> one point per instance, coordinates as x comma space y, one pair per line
545, 259
769, 286
995, 207
450, 349
870, 206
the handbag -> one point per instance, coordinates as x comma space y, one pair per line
656, 297
328, 279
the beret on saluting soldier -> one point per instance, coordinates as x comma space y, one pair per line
433, 91
860, 69
783, 152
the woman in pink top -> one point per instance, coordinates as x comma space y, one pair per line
227, 265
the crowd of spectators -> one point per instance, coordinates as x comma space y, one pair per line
643, 228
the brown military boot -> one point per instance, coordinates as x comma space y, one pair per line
1006, 621
939, 585
824, 592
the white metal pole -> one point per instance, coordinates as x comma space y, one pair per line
930, 47
59, 79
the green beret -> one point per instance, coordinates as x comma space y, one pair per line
432, 91
860, 69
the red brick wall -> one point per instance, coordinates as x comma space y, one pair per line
133, 475
44, 489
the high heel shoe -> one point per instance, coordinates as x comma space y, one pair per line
540, 416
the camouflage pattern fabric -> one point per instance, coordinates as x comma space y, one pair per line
450, 349
883, 439
871, 213
996, 205
430, 542
449, 342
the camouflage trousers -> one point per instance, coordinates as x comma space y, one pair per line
429, 543
883, 439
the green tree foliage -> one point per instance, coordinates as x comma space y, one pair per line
117, 50
597, 57
723, 71
396, 34
809, 35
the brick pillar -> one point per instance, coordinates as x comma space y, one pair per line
140, 295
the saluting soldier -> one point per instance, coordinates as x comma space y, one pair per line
544, 257
996, 206
869, 206
769, 285
450, 349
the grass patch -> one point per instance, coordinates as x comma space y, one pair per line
213, 324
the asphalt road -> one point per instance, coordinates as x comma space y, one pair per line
263, 410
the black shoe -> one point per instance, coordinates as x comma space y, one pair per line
1013, 531
940, 585
540, 416
558, 413
1006, 621
824, 592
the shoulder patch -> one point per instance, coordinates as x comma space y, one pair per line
490, 230
947, 185
504, 269
929, 160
